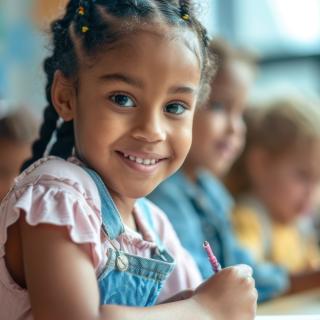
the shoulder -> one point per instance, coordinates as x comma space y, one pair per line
55, 167
168, 186
56, 192
58, 172
53, 188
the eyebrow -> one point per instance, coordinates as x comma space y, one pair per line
139, 84
183, 89
122, 78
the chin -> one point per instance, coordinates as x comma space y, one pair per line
138, 192
220, 170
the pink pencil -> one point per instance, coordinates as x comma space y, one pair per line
212, 259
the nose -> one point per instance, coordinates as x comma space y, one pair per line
236, 125
150, 127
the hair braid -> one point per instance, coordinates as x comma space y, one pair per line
62, 46
65, 141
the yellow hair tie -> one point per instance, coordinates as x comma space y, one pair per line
85, 29
81, 11
185, 17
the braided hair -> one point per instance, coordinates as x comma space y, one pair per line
96, 23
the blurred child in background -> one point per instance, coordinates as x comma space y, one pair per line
194, 199
275, 181
17, 131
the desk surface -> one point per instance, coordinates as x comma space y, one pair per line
303, 303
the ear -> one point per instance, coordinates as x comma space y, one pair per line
63, 96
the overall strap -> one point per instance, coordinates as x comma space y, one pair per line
147, 213
110, 215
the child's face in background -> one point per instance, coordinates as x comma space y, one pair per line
287, 184
218, 134
12, 156
134, 110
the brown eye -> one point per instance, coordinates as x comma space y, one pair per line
175, 108
123, 101
216, 106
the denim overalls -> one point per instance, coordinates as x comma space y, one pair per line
128, 279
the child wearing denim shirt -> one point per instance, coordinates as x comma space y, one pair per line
195, 200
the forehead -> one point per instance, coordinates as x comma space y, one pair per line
305, 156
164, 46
228, 83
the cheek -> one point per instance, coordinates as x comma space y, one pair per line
181, 141
288, 188
94, 129
208, 128
216, 126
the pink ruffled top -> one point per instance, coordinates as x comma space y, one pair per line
59, 192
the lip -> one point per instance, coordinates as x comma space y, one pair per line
141, 168
224, 148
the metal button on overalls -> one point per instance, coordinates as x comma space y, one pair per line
122, 262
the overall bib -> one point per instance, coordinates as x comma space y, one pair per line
128, 279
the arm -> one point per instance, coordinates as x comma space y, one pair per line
57, 271
62, 284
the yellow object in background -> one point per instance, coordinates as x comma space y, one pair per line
46, 11
283, 244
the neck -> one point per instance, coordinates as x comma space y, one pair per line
125, 207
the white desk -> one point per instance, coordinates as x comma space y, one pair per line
307, 303
301, 317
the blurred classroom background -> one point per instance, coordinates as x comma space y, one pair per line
285, 36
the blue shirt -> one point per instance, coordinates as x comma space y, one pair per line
201, 211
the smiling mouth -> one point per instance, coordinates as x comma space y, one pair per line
141, 161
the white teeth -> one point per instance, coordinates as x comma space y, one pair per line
146, 162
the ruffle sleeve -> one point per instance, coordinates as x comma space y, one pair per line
56, 202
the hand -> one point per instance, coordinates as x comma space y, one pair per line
230, 294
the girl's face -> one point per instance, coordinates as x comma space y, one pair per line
218, 134
134, 110
287, 184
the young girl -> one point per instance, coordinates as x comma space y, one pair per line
78, 241
275, 181
196, 192
17, 131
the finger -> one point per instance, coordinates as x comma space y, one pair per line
244, 270
250, 282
